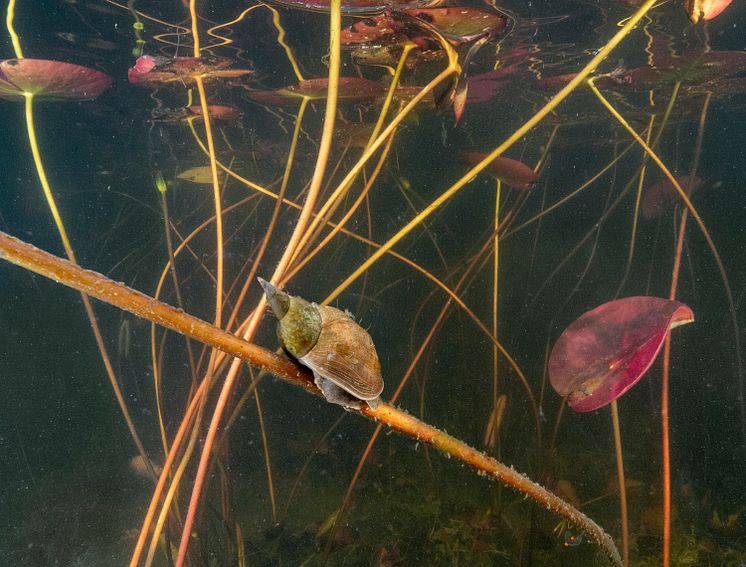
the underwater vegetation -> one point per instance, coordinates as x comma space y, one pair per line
244, 243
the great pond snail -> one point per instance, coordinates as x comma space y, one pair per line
338, 351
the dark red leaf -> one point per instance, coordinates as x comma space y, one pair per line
510, 171
608, 349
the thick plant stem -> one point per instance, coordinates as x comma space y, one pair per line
119, 295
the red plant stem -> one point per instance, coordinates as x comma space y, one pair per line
119, 295
665, 440
624, 517
665, 443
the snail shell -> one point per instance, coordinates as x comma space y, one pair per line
338, 351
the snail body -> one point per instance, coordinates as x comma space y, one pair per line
338, 351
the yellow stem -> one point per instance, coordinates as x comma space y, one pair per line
216, 197
517, 135
495, 308
281, 40
11, 30
409, 46
195, 26
52, 204
372, 148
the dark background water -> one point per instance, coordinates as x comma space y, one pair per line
67, 494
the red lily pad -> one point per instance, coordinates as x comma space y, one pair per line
662, 195
149, 69
217, 111
512, 172
607, 350
351, 89
50, 80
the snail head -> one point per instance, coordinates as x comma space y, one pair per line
278, 300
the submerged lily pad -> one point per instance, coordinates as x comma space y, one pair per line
217, 111
660, 196
512, 172
50, 80
351, 89
607, 350
356, 7
201, 175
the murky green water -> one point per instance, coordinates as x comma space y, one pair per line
70, 493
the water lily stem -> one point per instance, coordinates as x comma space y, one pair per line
52, 204
9, 16
622, 483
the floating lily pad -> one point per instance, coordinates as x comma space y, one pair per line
351, 89
608, 349
461, 23
512, 172
149, 69
50, 80
355, 7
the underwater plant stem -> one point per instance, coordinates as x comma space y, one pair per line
347, 216
275, 212
635, 215
9, 16
86, 281
172, 487
372, 148
305, 214
166, 473
265, 447
216, 196
195, 29
281, 40
710, 244
493, 440
517, 135
622, 483
406, 48
665, 435
329, 208
52, 204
